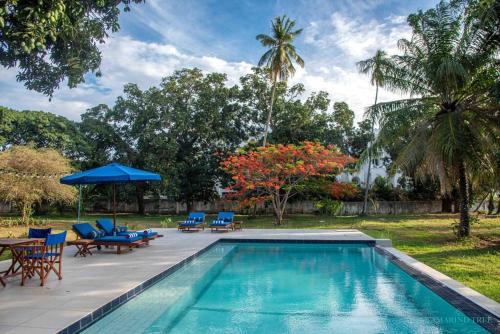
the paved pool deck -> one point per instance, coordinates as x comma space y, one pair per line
92, 282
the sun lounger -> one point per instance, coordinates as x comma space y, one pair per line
99, 238
224, 222
194, 222
106, 225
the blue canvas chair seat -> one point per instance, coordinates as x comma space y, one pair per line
194, 222
38, 256
106, 225
40, 260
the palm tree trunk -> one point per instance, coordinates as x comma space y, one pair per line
464, 225
268, 121
368, 174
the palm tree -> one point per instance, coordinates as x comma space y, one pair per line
280, 57
377, 67
449, 69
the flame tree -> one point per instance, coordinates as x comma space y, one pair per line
276, 173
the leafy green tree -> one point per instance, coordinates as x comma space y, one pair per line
377, 67
204, 123
450, 67
54, 40
343, 118
96, 128
296, 121
279, 59
42, 130
183, 129
296, 117
360, 138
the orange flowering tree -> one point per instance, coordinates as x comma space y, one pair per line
276, 172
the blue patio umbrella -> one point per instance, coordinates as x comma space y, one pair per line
113, 173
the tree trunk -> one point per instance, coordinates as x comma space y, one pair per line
480, 203
464, 225
498, 207
456, 205
269, 114
446, 203
189, 204
491, 205
368, 173
139, 194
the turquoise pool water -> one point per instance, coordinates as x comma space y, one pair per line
287, 288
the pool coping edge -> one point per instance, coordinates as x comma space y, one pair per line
468, 301
96, 315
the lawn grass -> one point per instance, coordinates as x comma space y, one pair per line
429, 238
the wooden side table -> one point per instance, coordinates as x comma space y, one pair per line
83, 246
16, 263
237, 225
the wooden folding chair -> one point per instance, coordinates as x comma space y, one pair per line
40, 260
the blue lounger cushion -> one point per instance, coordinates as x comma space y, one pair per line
221, 223
191, 223
85, 230
227, 216
144, 234
119, 238
139, 233
106, 225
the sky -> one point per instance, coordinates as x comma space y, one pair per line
161, 36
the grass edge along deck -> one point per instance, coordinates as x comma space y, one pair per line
471, 309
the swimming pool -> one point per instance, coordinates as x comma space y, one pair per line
287, 288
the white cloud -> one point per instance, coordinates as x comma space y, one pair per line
354, 37
124, 60
338, 43
332, 47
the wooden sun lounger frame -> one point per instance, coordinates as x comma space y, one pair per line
221, 228
119, 245
190, 228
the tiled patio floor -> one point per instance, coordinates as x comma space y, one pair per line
91, 282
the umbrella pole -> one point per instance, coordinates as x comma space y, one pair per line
114, 208
79, 202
